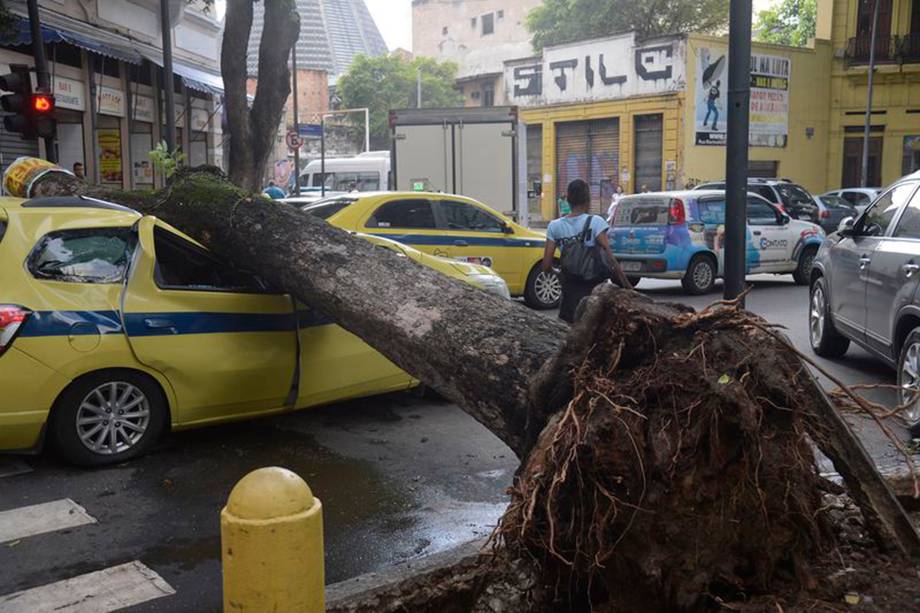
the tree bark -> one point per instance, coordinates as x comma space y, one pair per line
252, 131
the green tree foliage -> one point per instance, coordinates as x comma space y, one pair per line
389, 82
563, 21
791, 22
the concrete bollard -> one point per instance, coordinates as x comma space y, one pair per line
272, 545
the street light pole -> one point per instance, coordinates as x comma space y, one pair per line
41, 67
168, 86
736, 146
867, 128
296, 123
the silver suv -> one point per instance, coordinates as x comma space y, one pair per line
864, 288
790, 197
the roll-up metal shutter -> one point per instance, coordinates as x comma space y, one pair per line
12, 147
589, 150
648, 152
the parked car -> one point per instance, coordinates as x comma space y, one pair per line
366, 172
451, 226
115, 327
864, 288
832, 210
680, 235
859, 197
791, 198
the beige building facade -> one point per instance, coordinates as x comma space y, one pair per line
479, 36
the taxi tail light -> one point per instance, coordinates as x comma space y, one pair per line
12, 319
825, 214
676, 215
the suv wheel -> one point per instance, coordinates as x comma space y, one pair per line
825, 340
543, 290
108, 417
909, 380
803, 271
700, 276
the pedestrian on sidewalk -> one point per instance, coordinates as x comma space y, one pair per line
582, 238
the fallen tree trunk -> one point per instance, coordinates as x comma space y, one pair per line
664, 452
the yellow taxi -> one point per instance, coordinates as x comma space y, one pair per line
115, 327
454, 227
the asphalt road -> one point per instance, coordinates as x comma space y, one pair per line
399, 477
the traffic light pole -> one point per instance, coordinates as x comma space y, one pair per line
168, 85
41, 67
736, 146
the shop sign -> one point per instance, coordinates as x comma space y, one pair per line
200, 119
110, 155
607, 69
769, 99
142, 108
111, 102
69, 94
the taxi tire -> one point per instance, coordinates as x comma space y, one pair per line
688, 282
802, 273
62, 429
530, 292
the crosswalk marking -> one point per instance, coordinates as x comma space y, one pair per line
98, 592
40, 518
10, 467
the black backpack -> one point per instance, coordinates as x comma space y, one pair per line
581, 261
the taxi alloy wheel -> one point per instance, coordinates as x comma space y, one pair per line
544, 289
113, 418
108, 417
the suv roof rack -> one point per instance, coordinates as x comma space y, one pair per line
75, 202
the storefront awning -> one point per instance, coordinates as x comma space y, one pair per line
194, 78
81, 35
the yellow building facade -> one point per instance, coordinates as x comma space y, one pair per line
894, 146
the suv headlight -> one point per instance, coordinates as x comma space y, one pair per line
492, 284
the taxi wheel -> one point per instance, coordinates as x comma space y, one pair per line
543, 290
700, 276
107, 417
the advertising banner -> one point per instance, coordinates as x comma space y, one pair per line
110, 156
769, 111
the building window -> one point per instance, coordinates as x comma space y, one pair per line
488, 24
444, 30
911, 159
765, 169
473, 23
488, 97
500, 14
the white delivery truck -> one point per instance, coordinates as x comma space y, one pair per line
477, 152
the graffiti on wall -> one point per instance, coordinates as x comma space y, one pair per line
611, 68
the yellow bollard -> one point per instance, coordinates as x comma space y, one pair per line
272, 545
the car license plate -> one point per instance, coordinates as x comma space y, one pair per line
631, 266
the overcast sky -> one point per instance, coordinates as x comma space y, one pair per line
394, 19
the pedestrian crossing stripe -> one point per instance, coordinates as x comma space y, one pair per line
105, 590
52, 516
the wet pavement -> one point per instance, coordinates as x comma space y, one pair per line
399, 477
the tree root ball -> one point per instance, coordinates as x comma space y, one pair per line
679, 472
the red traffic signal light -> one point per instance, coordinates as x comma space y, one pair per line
42, 104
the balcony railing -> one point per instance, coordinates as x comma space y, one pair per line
888, 49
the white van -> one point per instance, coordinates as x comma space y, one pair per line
368, 172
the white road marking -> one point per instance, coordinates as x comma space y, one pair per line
10, 467
104, 590
40, 518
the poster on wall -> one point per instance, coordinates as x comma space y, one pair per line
769, 111
142, 167
110, 156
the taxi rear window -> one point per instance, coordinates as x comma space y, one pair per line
324, 209
642, 211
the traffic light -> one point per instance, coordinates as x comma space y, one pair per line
32, 112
